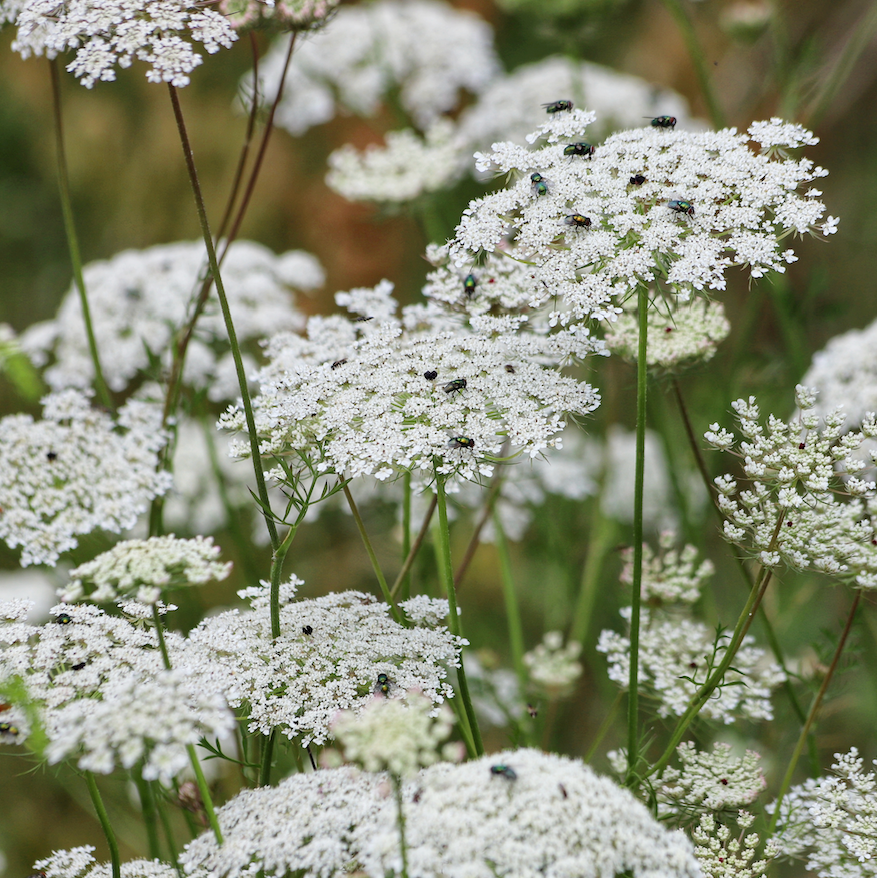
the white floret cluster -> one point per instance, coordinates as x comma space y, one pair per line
278, 14
139, 299
591, 234
75, 471
106, 34
145, 568
79, 862
803, 502
831, 822
553, 666
670, 575
518, 813
328, 657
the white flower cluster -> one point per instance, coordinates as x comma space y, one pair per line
386, 399
107, 33
680, 334
553, 666
80, 863
671, 575
145, 568
649, 204
520, 813
427, 50
281, 14
805, 505
96, 685
712, 781
678, 652
832, 821
722, 855
76, 471
393, 736
330, 653
140, 298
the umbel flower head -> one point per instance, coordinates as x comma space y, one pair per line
107, 33
650, 204
76, 471
427, 398
277, 14
802, 503
80, 863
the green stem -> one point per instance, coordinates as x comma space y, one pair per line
475, 539
814, 709
604, 727
267, 752
601, 534
206, 798
642, 375
147, 808
385, 589
400, 818
168, 834
444, 539
512, 607
277, 559
226, 314
72, 240
101, 812
701, 69
404, 580
415, 548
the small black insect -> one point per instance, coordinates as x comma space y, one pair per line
78, 666
306, 629
681, 206
558, 106
51, 455
510, 368
540, 187
504, 771
469, 285
576, 219
338, 363
579, 149
363, 319
8, 729
532, 711
63, 618
455, 386
383, 685
431, 375
637, 180
664, 122
563, 791
461, 442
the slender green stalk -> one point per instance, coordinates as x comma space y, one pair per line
475, 539
148, 810
642, 377
415, 548
814, 709
405, 579
701, 68
601, 534
72, 240
278, 556
168, 835
226, 314
444, 538
400, 819
512, 607
267, 753
206, 798
385, 589
159, 633
604, 726
104, 820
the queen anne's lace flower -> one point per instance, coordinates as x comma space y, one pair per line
327, 658
76, 471
79, 863
140, 299
592, 232
552, 665
672, 575
280, 14
144, 568
804, 505
724, 854
106, 33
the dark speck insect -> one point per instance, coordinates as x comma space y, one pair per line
455, 386
681, 206
383, 684
540, 187
579, 149
504, 771
532, 711
306, 629
664, 122
563, 791
78, 666
431, 375
461, 442
51, 455
469, 285
637, 180
338, 363
8, 729
363, 319
63, 618
510, 368
576, 219
558, 106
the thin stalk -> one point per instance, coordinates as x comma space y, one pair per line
642, 377
512, 607
385, 589
206, 799
104, 820
169, 836
415, 548
475, 539
701, 68
278, 556
267, 753
72, 239
400, 818
405, 579
814, 709
600, 538
444, 538
148, 810
229, 325
604, 726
